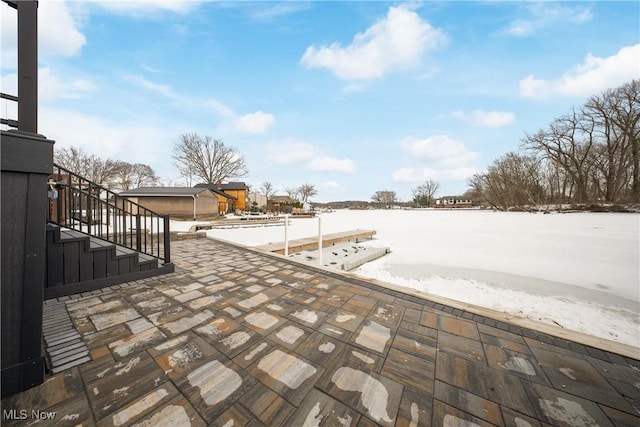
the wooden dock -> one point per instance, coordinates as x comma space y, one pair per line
239, 223
310, 243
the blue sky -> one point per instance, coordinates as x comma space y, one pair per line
353, 97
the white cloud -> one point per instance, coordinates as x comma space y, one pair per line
416, 175
167, 91
255, 123
437, 157
545, 14
592, 76
290, 152
492, 119
142, 7
50, 86
9, 40
58, 32
395, 42
332, 164
109, 138
161, 89
330, 185
440, 148
267, 11
220, 108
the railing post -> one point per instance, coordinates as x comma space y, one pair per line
167, 240
89, 214
138, 233
62, 196
124, 227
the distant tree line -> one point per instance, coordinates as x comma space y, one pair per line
424, 195
385, 199
112, 174
589, 155
303, 193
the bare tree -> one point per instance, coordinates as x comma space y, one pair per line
617, 116
144, 176
267, 189
385, 198
292, 192
72, 158
107, 173
307, 191
590, 155
424, 194
593, 153
511, 180
207, 159
86, 165
568, 143
127, 176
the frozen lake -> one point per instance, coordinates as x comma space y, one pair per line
579, 270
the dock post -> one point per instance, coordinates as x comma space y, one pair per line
320, 239
286, 235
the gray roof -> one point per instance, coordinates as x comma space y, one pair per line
216, 190
163, 192
233, 185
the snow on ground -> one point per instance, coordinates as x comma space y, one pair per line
579, 270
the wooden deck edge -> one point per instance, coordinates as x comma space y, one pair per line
92, 285
310, 243
555, 331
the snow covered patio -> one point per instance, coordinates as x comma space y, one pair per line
254, 338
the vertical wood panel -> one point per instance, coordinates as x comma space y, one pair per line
100, 264
71, 262
112, 264
55, 260
14, 205
124, 265
34, 278
86, 262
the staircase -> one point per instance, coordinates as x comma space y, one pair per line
77, 262
95, 238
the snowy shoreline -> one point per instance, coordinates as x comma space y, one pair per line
578, 271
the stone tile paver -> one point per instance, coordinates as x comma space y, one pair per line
237, 337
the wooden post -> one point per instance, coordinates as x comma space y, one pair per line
319, 239
28, 66
286, 235
139, 233
26, 163
167, 239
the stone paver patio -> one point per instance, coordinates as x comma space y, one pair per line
237, 338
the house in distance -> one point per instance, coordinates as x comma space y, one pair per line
180, 202
232, 196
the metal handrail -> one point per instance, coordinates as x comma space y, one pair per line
80, 204
6, 121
